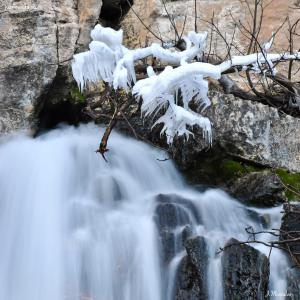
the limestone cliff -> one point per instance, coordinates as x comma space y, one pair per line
36, 37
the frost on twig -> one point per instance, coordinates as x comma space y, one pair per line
110, 61
170, 92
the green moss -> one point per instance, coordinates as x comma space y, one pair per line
76, 95
291, 180
233, 169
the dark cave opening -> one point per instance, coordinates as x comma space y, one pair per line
113, 11
61, 103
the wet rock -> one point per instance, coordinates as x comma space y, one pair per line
186, 205
173, 216
191, 277
293, 284
290, 226
186, 233
263, 219
173, 240
262, 189
170, 215
245, 272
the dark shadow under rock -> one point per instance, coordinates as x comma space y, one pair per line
113, 11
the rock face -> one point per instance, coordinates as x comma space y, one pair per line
245, 272
241, 129
262, 189
155, 15
248, 131
256, 132
37, 37
191, 278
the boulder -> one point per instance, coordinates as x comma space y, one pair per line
261, 189
255, 132
191, 276
245, 272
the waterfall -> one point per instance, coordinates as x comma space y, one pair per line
74, 227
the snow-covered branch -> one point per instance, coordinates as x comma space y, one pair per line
171, 91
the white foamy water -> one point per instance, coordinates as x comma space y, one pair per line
74, 227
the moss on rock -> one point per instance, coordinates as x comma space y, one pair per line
291, 181
76, 95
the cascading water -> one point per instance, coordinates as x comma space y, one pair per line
74, 227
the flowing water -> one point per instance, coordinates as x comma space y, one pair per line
74, 227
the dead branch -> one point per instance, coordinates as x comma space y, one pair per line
118, 113
281, 244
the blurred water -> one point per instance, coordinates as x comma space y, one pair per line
74, 227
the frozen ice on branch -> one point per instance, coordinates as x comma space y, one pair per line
170, 92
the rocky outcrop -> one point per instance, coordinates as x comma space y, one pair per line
245, 272
191, 277
37, 37
248, 131
261, 189
256, 132
243, 132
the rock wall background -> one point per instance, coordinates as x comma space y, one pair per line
156, 16
36, 37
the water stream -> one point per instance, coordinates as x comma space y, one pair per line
73, 227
